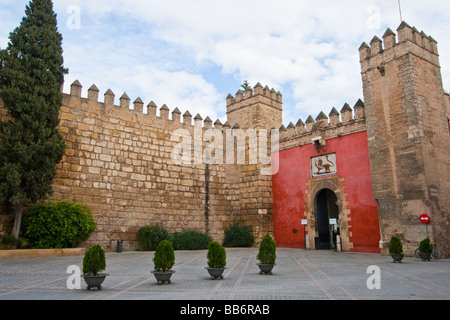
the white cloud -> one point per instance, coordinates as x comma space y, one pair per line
177, 89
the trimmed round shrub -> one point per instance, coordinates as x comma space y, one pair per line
267, 250
149, 237
426, 246
217, 256
62, 224
164, 258
238, 236
395, 246
94, 260
190, 240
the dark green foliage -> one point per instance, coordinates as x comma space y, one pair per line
238, 236
10, 242
426, 246
267, 250
217, 256
94, 260
31, 76
150, 236
164, 256
58, 224
190, 240
245, 85
395, 246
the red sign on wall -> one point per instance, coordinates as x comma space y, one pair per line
425, 219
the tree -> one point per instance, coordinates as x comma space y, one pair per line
245, 85
31, 77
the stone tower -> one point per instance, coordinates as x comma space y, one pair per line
251, 114
261, 107
409, 142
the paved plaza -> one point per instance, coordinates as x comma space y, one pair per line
298, 275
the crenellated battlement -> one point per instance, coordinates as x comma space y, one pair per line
257, 107
336, 124
410, 40
258, 90
153, 114
249, 110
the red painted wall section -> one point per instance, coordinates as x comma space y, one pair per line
291, 182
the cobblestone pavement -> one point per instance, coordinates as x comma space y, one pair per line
298, 275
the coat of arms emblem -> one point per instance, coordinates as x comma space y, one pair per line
323, 165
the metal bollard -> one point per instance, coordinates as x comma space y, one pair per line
119, 246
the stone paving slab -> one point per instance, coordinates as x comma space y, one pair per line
298, 275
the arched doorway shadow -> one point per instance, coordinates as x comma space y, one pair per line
316, 192
326, 208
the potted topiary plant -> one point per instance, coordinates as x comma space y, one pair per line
93, 263
267, 255
164, 260
425, 249
217, 257
396, 249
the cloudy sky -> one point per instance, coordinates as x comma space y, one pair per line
192, 54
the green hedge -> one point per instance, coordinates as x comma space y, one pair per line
238, 236
58, 225
190, 240
149, 237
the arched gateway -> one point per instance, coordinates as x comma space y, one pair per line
327, 217
327, 213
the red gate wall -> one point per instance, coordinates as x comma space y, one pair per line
291, 182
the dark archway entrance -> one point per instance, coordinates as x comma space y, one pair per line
326, 208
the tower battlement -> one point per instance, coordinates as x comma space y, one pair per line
410, 40
257, 91
258, 107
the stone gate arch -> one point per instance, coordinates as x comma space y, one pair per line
315, 187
